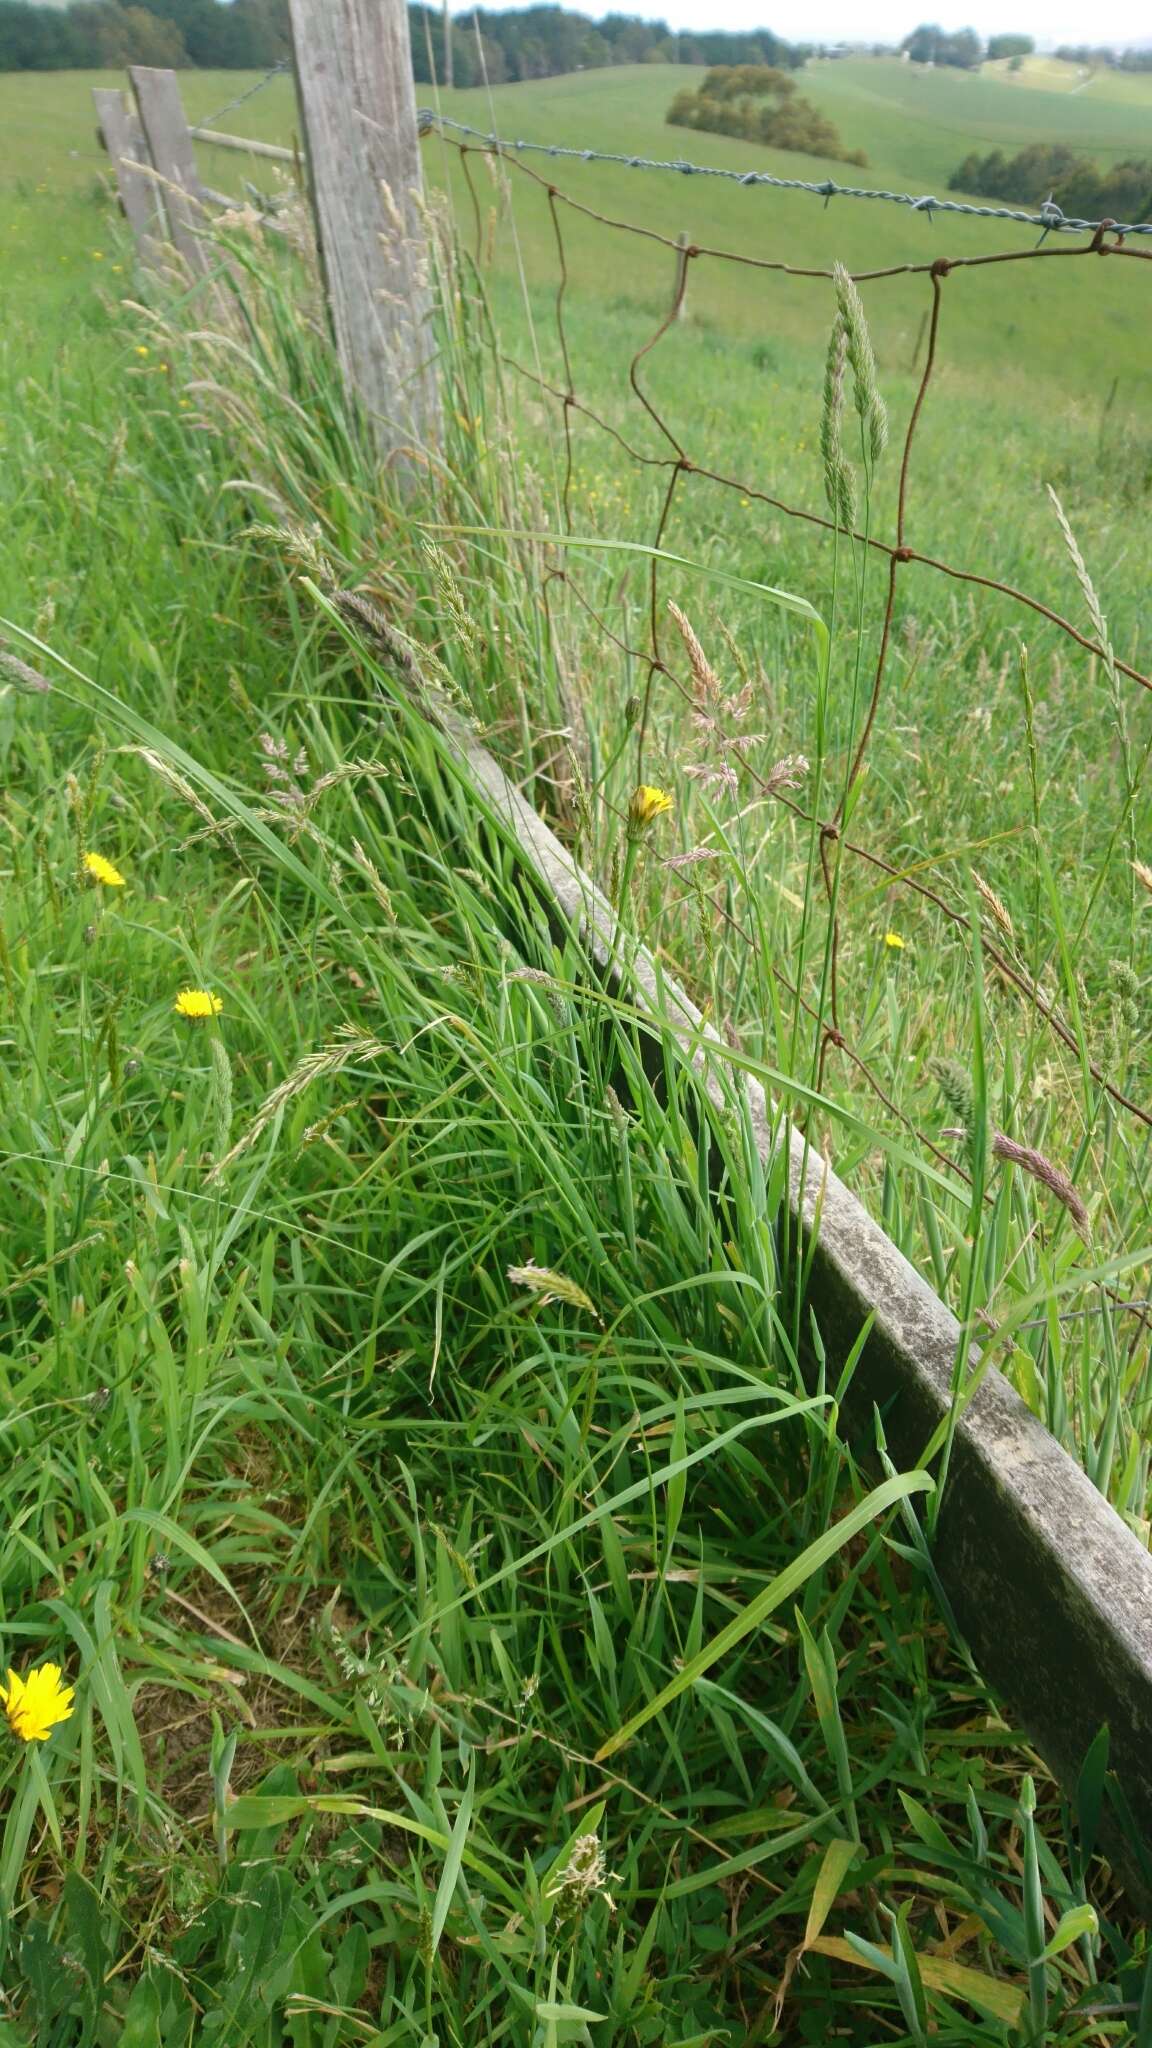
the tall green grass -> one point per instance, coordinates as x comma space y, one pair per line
396, 1417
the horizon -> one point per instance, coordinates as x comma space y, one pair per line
1124, 26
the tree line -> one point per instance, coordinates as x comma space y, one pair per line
540, 42
104, 35
529, 42
1046, 170
1103, 57
759, 103
963, 49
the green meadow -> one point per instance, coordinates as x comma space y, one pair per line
421, 1460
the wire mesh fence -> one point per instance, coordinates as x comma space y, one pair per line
679, 468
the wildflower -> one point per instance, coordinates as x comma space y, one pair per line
142, 350
97, 255
102, 870
894, 940
198, 1003
646, 805
35, 1704
118, 267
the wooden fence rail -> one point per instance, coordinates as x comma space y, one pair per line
274, 151
1051, 1589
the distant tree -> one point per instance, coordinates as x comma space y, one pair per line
248, 34
759, 103
100, 35
131, 35
1010, 46
1051, 170
931, 44
473, 62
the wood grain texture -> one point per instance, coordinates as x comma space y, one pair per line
174, 159
354, 79
123, 138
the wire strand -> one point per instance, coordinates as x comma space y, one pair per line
276, 71
1050, 217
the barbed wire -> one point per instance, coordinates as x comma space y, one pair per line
678, 470
1050, 218
274, 71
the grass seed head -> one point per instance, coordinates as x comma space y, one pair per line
998, 909
955, 1085
1052, 1177
707, 688
549, 1285
858, 348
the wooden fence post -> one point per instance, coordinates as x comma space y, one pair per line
354, 75
123, 138
174, 159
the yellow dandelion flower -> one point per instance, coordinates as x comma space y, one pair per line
102, 870
97, 255
35, 1704
197, 1004
894, 940
141, 350
646, 805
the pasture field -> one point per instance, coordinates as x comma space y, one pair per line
392, 1419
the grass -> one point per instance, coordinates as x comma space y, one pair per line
359, 1549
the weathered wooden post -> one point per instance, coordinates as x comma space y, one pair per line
449, 69
123, 138
354, 74
170, 148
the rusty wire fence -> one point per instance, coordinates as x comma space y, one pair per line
680, 469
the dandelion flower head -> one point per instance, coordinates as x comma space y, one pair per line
102, 870
35, 1704
646, 805
893, 940
198, 1003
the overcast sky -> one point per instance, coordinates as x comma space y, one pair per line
1059, 21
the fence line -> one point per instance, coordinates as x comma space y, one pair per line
680, 467
1106, 239
1049, 218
